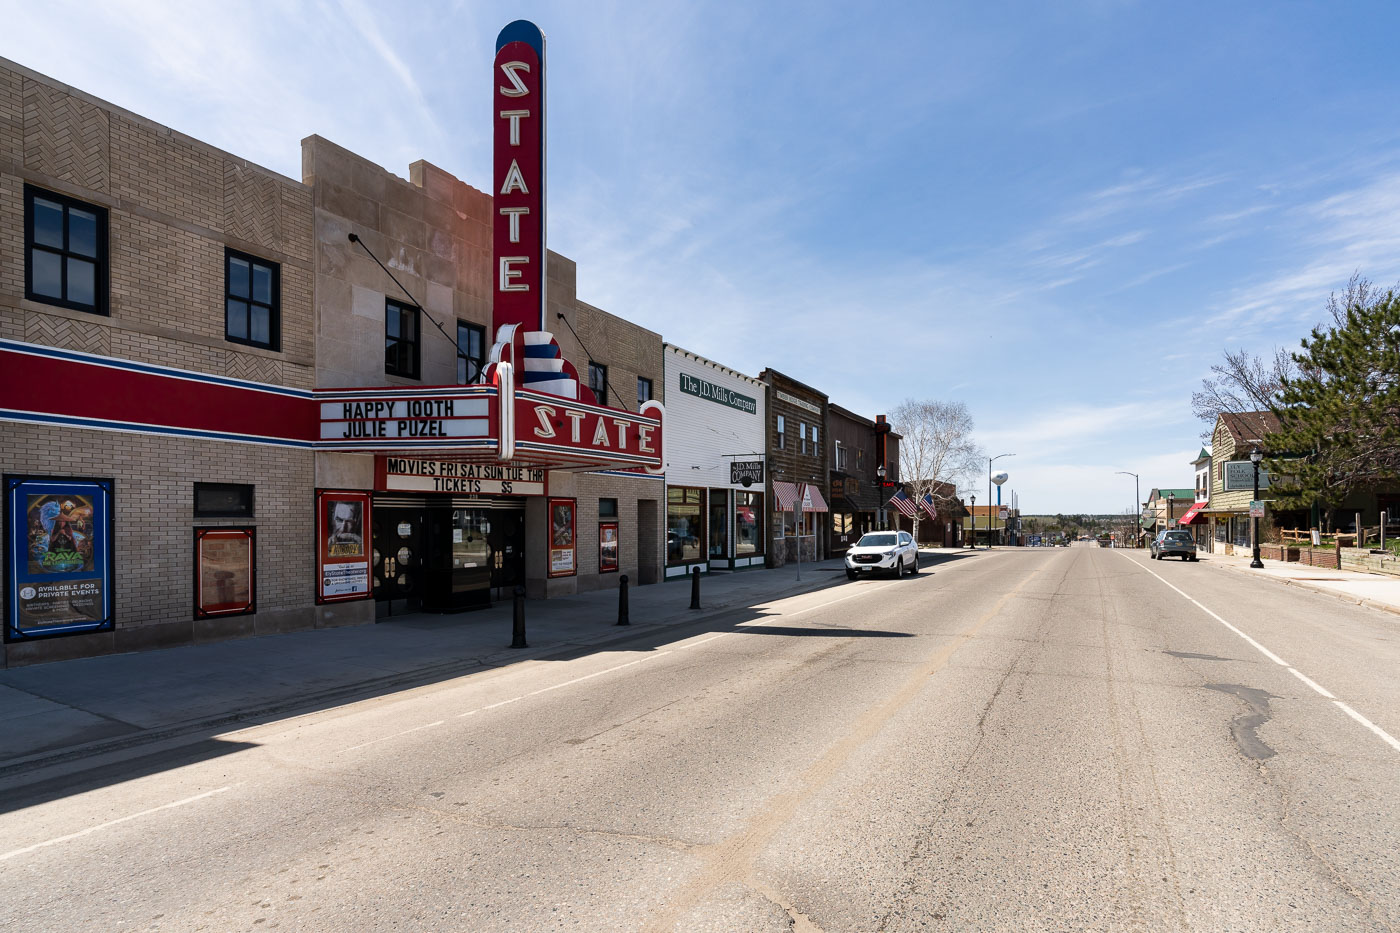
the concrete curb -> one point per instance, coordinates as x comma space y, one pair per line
352, 692
1303, 584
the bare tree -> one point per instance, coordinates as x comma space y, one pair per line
936, 449
1244, 382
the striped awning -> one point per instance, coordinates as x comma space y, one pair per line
789, 496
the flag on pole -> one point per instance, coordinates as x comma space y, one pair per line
926, 503
902, 502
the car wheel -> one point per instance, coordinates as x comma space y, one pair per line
914, 566
851, 574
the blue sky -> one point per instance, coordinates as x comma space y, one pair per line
1059, 213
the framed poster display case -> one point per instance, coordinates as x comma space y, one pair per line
342, 545
225, 571
563, 548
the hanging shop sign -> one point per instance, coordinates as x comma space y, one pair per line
562, 546
405, 474
1239, 475
342, 521
518, 176
718, 394
59, 573
607, 547
225, 572
746, 472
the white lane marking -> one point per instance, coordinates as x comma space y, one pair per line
385, 738
1312, 683
1266, 652
1385, 736
93, 829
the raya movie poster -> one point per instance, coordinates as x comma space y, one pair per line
63, 527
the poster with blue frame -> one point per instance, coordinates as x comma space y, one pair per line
58, 574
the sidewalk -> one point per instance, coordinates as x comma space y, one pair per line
1378, 591
70, 709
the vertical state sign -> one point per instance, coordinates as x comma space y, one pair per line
518, 224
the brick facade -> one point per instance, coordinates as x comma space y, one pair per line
173, 204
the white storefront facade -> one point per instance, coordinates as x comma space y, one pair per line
715, 465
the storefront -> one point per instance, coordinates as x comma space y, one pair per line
799, 470
715, 466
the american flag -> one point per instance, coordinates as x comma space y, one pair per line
902, 502
926, 503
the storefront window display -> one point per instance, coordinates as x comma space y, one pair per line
684, 524
60, 546
225, 571
748, 519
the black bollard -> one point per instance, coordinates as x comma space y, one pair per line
695, 588
622, 618
518, 634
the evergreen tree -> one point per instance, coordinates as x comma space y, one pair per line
1340, 413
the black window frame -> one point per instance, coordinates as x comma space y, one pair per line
600, 390
607, 508
650, 391
465, 360
416, 342
245, 491
782, 432
100, 260
274, 309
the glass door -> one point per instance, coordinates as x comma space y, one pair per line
397, 559
719, 526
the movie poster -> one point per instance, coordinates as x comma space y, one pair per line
343, 565
561, 537
60, 572
607, 547
225, 572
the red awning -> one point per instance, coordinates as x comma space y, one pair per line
1192, 515
788, 496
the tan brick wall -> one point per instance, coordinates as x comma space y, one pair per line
173, 205
154, 522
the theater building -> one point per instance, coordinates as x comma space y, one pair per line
798, 474
715, 466
451, 527
238, 403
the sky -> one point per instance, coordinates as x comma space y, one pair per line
1060, 214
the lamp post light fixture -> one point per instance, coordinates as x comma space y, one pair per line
990, 461
1255, 456
1137, 504
880, 472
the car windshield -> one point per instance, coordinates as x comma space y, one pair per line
886, 540
1178, 537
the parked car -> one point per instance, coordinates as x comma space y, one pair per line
1174, 543
889, 551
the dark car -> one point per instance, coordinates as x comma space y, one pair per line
1174, 544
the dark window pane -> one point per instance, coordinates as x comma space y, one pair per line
82, 281
391, 356
237, 277
237, 319
48, 273
391, 321
260, 328
48, 223
409, 324
82, 232
262, 284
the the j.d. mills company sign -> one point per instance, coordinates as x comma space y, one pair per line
718, 394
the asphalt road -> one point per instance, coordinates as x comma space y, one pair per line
1046, 739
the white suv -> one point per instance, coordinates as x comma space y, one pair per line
890, 551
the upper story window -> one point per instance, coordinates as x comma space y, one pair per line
598, 381
840, 456
251, 299
816, 442
471, 352
65, 242
860, 459
782, 433
400, 339
802, 436
643, 391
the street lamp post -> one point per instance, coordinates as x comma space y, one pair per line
880, 472
1255, 456
1137, 504
973, 543
990, 461
1171, 509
